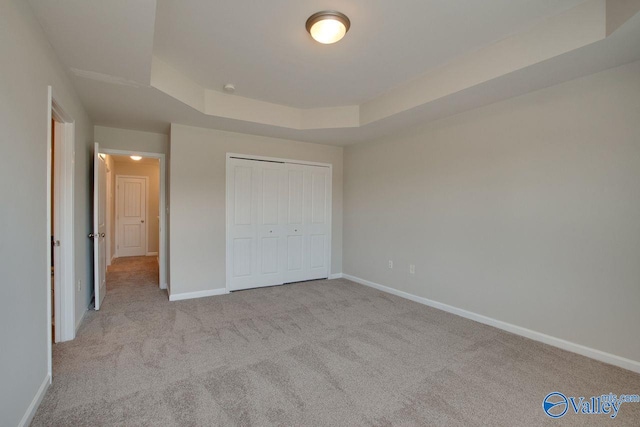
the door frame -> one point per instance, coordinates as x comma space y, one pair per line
109, 220
229, 156
146, 213
63, 179
162, 244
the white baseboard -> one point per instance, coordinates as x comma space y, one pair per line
592, 353
37, 399
336, 276
200, 294
152, 253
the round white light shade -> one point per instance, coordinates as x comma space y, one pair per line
328, 27
136, 158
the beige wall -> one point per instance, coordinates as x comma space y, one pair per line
152, 173
197, 225
131, 140
526, 211
29, 65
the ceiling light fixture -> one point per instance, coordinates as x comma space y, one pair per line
136, 158
328, 26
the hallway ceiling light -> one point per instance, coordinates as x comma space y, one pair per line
136, 158
328, 26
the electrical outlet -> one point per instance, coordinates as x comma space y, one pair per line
390, 264
79, 285
412, 269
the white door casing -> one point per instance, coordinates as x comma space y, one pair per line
56, 213
99, 226
109, 222
278, 222
131, 216
62, 174
163, 207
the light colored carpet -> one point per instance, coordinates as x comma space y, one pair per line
323, 353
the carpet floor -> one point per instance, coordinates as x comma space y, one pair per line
322, 353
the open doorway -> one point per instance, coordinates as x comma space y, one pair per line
60, 248
135, 220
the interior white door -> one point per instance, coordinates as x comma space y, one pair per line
131, 193
99, 227
256, 192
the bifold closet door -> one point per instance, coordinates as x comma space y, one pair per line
278, 223
307, 223
255, 243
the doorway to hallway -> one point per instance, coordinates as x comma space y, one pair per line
133, 222
135, 219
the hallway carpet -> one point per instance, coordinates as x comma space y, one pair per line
323, 353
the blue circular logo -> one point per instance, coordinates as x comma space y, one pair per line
555, 404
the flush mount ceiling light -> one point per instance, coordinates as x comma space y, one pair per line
136, 158
328, 26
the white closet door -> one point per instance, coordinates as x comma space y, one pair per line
270, 209
278, 223
317, 230
256, 213
307, 223
295, 269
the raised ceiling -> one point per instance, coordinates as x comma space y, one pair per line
145, 64
263, 47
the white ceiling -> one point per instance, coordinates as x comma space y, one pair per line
264, 49
129, 160
113, 37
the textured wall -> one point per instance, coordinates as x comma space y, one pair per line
29, 65
526, 211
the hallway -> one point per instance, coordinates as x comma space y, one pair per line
132, 279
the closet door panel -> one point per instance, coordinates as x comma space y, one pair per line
269, 230
295, 269
317, 229
241, 242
